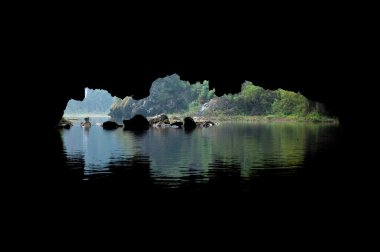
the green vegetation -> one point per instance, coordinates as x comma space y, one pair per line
171, 95
167, 95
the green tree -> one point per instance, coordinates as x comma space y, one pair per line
288, 103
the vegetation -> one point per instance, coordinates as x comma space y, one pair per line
171, 95
167, 95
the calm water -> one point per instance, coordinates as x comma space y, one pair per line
230, 156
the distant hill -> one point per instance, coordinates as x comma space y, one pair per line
95, 102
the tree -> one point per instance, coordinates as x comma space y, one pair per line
290, 103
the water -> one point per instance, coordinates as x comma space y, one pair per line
228, 157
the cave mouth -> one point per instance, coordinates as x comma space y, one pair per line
173, 96
248, 144
258, 134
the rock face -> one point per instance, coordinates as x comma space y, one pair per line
189, 123
167, 95
109, 125
138, 122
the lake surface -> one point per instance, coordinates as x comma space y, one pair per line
228, 157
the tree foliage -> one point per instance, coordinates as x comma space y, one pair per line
167, 95
254, 100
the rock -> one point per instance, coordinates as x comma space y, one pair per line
85, 124
175, 99
159, 119
207, 124
203, 122
189, 123
138, 122
177, 124
64, 124
109, 125
161, 125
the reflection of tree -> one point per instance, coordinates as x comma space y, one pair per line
74, 169
230, 157
261, 146
252, 150
131, 173
64, 169
224, 176
174, 153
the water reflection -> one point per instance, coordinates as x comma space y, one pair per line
232, 156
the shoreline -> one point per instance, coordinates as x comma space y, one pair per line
261, 119
81, 116
235, 118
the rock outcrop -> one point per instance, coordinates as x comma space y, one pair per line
189, 123
109, 125
138, 122
177, 96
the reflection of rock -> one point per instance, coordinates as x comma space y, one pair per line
138, 122
110, 125
189, 123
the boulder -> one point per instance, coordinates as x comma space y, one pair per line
207, 124
138, 122
64, 124
189, 123
177, 124
109, 125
